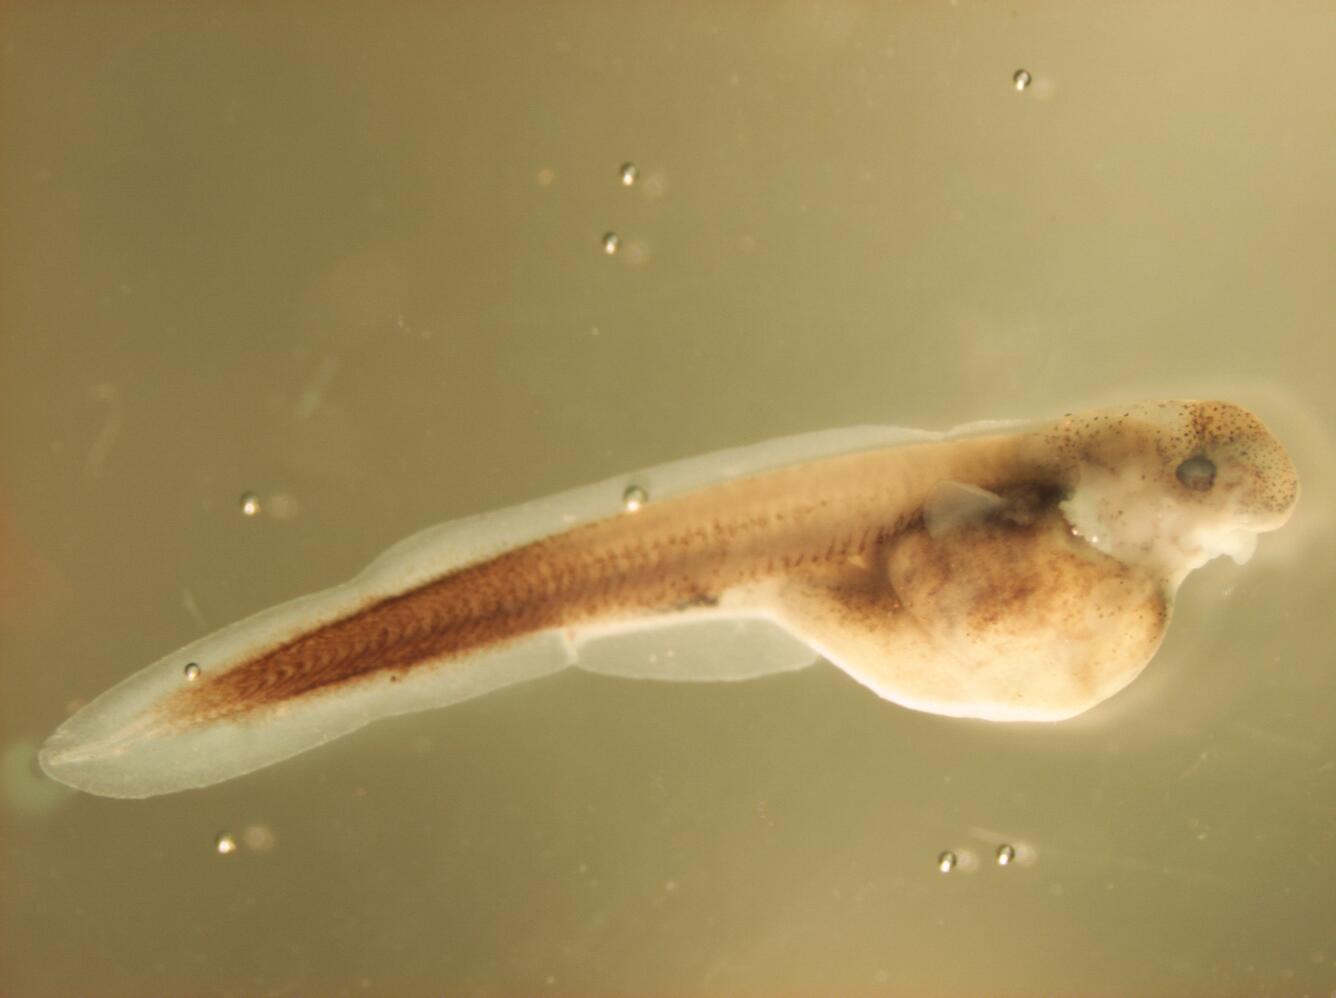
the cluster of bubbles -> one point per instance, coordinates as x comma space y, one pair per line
628, 174
1004, 855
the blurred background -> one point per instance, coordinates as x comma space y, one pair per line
282, 283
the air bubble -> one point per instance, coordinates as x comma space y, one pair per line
1005, 854
633, 498
250, 504
630, 172
192, 671
1021, 80
225, 844
947, 861
611, 243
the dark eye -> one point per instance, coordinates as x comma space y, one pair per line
1197, 473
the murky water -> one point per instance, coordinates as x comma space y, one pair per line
284, 283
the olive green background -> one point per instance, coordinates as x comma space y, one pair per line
349, 257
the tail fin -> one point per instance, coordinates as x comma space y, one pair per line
120, 745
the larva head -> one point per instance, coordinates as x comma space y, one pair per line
1171, 485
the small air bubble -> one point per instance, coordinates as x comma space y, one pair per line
611, 243
250, 504
192, 671
630, 172
1021, 80
947, 861
633, 498
225, 844
1005, 855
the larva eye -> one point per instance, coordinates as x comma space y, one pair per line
1197, 473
